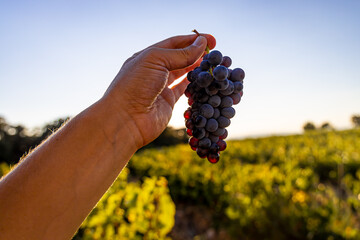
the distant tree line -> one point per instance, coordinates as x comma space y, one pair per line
309, 126
17, 141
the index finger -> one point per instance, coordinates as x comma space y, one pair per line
183, 41
180, 41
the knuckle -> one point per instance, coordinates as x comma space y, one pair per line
185, 54
150, 52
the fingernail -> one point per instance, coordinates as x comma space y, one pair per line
199, 41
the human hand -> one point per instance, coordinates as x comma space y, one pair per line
141, 88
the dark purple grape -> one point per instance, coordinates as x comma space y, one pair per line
211, 125
214, 148
187, 113
196, 87
224, 135
202, 152
226, 102
189, 132
206, 56
194, 115
226, 61
228, 112
193, 142
199, 133
238, 87
219, 132
221, 85
187, 93
237, 75
204, 79
196, 106
203, 99
213, 157
214, 101
201, 96
223, 122
205, 143
190, 89
200, 121
220, 73
195, 95
205, 65
216, 113
236, 98
229, 90
222, 145
190, 100
213, 138
206, 110
211, 90
189, 124
195, 73
215, 57
189, 78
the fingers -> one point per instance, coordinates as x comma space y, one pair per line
179, 89
178, 42
184, 41
174, 59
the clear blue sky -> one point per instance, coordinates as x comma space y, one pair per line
301, 58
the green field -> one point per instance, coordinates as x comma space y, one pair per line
282, 187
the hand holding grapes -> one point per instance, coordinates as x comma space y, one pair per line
141, 89
53, 189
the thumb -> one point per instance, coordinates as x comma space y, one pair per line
174, 59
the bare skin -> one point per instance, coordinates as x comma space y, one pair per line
52, 191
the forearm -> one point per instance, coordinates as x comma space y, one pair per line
51, 192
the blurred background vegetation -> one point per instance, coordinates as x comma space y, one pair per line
280, 187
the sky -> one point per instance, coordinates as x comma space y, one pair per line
301, 58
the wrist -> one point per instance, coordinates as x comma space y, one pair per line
118, 127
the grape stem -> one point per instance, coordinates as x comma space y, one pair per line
207, 50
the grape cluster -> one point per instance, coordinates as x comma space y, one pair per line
212, 91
